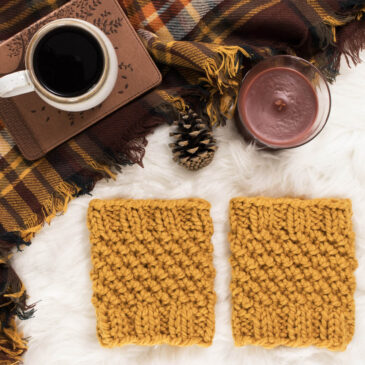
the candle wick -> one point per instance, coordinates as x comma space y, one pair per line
279, 104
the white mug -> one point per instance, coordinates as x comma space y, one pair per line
26, 81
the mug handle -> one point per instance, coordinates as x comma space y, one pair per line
16, 83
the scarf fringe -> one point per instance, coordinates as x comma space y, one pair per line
222, 73
222, 79
58, 203
344, 38
12, 302
12, 345
351, 40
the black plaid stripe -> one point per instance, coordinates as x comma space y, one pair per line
22, 189
19, 14
9, 216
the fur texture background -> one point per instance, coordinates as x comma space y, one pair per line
55, 268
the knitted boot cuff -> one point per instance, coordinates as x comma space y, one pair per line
153, 275
292, 272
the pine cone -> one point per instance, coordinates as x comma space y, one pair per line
195, 145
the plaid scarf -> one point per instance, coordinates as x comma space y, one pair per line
203, 48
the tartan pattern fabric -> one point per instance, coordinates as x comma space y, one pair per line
32, 193
211, 44
17, 14
203, 48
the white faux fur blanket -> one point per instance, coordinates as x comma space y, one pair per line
55, 268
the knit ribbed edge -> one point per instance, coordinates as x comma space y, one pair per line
156, 203
341, 320
150, 317
339, 203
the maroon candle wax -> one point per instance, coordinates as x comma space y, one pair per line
278, 107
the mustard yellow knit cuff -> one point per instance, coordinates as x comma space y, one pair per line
153, 274
292, 272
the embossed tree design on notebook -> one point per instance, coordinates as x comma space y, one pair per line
38, 127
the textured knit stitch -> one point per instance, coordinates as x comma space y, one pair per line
292, 272
153, 274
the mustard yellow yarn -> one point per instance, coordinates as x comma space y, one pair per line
292, 272
153, 274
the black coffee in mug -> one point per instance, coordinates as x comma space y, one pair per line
68, 61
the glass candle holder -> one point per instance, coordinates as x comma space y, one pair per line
284, 102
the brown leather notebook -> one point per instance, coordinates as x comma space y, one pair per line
36, 126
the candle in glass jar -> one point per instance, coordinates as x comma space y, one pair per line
278, 107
